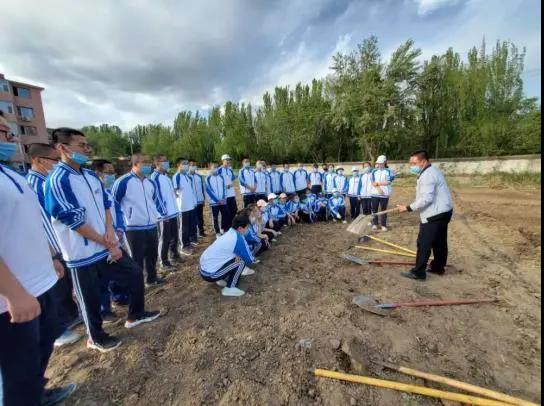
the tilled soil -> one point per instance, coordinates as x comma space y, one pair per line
208, 349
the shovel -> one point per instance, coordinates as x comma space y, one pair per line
360, 223
372, 305
362, 261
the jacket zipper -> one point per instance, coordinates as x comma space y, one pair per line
145, 198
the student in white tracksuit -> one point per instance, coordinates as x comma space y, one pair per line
186, 201
328, 184
275, 180
354, 190
340, 182
316, 180
228, 257
198, 186
247, 180
382, 177
365, 194
337, 206
301, 180
228, 176
287, 181
217, 198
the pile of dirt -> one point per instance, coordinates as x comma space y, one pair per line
298, 315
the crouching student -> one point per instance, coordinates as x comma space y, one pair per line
257, 241
262, 220
283, 205
276, 215
226, 259
337, 206
321, 208
294, 208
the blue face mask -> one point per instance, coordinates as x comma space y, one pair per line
165, 165
416, 170
109, 180
7, 150
146, 170
185, 168
78, 158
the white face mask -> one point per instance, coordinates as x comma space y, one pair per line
340, 173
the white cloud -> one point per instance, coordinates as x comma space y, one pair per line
428, 6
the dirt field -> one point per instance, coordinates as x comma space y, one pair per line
213, 350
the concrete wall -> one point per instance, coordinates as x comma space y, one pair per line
469, 166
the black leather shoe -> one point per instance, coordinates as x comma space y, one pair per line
55, 396
411, 275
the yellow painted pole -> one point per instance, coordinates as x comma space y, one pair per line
391, 244
465, 386
403, 254
421, 390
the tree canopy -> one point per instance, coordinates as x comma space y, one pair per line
365, 107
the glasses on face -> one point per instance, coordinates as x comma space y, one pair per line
49, 159
82, 145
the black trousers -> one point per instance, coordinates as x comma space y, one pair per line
301, 193
366, 206
248, 199
187, 220
379, 204
67, 306
277, 224
260, 196
342, 211
230, 271
232, 208
200, 218
223, 210
25, 349
168, 239
144, 249
321, 214
432, 236
354, 207
305, 217
87, 281
317, 189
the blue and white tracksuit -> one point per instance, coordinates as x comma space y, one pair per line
321, 208
316, 182
198, 186
37, 182
337, 207
328, 183
186, 199
301, 180
366, 193
217, 198
275, 182
293, 207
253, 240
307, 207
166, 195
219, 260
277, 215
288, 182
354, 190
247, 180
381, 201
228, 176
261, 181
341, 184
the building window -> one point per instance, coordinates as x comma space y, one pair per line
22, 92
25, 112
4, 86
6, 107
28, 130
14, 127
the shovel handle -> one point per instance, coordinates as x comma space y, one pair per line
395, 210
436, 303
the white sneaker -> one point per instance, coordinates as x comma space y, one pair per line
67, 338
344, 222
369, 224
280, 233
218, 235
247, 271
257, 261
334, 220
384, 229
375, 228
274, 240
222, 283
232, 292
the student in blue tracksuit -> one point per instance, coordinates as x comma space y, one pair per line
365, 194
142, 207
228, 176
284, 210
168, 222
287, 181
294, 207
354, 191
316, 180
255, 243
217, 198
340, 182
275, 215
307, 206
261, 182
43, 158
186, 200
321, 208
228, 257
248, 183
337, 206
198, 184
275, 180
328, 181
382, 177
87, 239
301, 180
29, 322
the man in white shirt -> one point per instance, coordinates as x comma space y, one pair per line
434, 202
186, 200
29, 322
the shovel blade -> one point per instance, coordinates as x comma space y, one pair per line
354, 259
370, 304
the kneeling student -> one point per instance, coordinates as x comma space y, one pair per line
284, 214
262, 220
337, 206
321, 208
275, 214
226, 259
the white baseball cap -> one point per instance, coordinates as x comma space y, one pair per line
283, 196
226, 157
335, 191
381, 159
261, 203
354, 169
272, 196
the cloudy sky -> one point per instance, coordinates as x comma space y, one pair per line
129, 62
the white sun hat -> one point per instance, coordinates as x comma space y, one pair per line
226, 157
272, 196
283, 196
381, 159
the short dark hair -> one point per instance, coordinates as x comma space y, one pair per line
420, 154
63, 135
37, 150
180, 160
157, 157
2, 113
98, 164
240, 220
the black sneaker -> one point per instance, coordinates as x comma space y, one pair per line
156, 282
187, 251
167, 266
441, 273
110, 318
411, 275
147, 317
55, 396
106, 344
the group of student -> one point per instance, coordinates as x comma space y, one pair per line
274, 200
